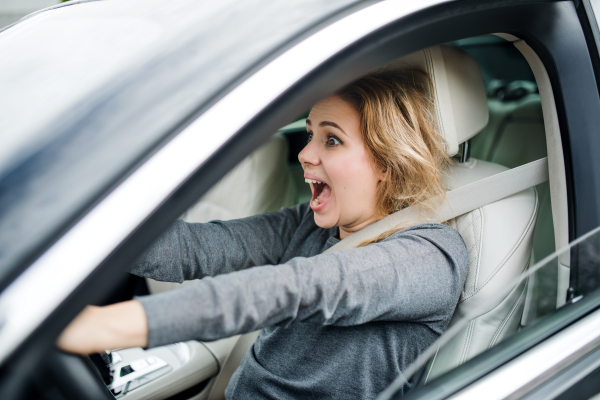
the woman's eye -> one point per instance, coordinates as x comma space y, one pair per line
333, 141
310, 136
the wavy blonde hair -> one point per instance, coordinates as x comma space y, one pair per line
397, 117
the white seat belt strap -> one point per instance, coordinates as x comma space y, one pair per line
458, 201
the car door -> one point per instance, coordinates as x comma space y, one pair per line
121, 220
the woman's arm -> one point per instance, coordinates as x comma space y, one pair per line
415, 275
97, 329
184, 252
190, 251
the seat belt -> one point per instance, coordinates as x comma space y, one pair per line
457, 202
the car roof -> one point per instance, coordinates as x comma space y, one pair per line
91, 88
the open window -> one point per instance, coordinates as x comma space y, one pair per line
514, 136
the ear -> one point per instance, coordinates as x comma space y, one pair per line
382, 174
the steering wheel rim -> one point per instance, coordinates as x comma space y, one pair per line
76, 377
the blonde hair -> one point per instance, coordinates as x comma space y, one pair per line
398, 124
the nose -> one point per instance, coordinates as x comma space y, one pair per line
308, 156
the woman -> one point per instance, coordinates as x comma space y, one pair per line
342, 324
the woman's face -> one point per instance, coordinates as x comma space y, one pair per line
336, 156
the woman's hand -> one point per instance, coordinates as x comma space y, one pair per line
97, 329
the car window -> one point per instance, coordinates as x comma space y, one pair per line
586, 252
512, 96
514, 136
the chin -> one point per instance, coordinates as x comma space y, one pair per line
324, 222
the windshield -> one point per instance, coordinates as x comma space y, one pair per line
541, 299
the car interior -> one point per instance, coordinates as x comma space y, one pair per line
496, 117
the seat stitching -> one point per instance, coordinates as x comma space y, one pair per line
472, 323
493, 309
507, 318
498, 269
511, 312
471, 328
521, 240
432, 363
467, 344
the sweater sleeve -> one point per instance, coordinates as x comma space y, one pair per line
189, 251
411, 276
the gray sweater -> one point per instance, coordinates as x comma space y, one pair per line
336, 325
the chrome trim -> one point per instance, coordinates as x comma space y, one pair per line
47, 282
522, 375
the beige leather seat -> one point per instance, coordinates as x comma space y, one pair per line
516, 136
498, 236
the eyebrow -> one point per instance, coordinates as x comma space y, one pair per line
326, 123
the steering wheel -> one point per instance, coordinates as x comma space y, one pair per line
77, 377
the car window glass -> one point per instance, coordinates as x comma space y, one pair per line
72, 67
585, 257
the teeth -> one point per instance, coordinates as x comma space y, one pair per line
311, 181
315, 202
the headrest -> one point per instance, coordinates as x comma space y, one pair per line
460, 98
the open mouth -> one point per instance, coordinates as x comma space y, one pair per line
320, 194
